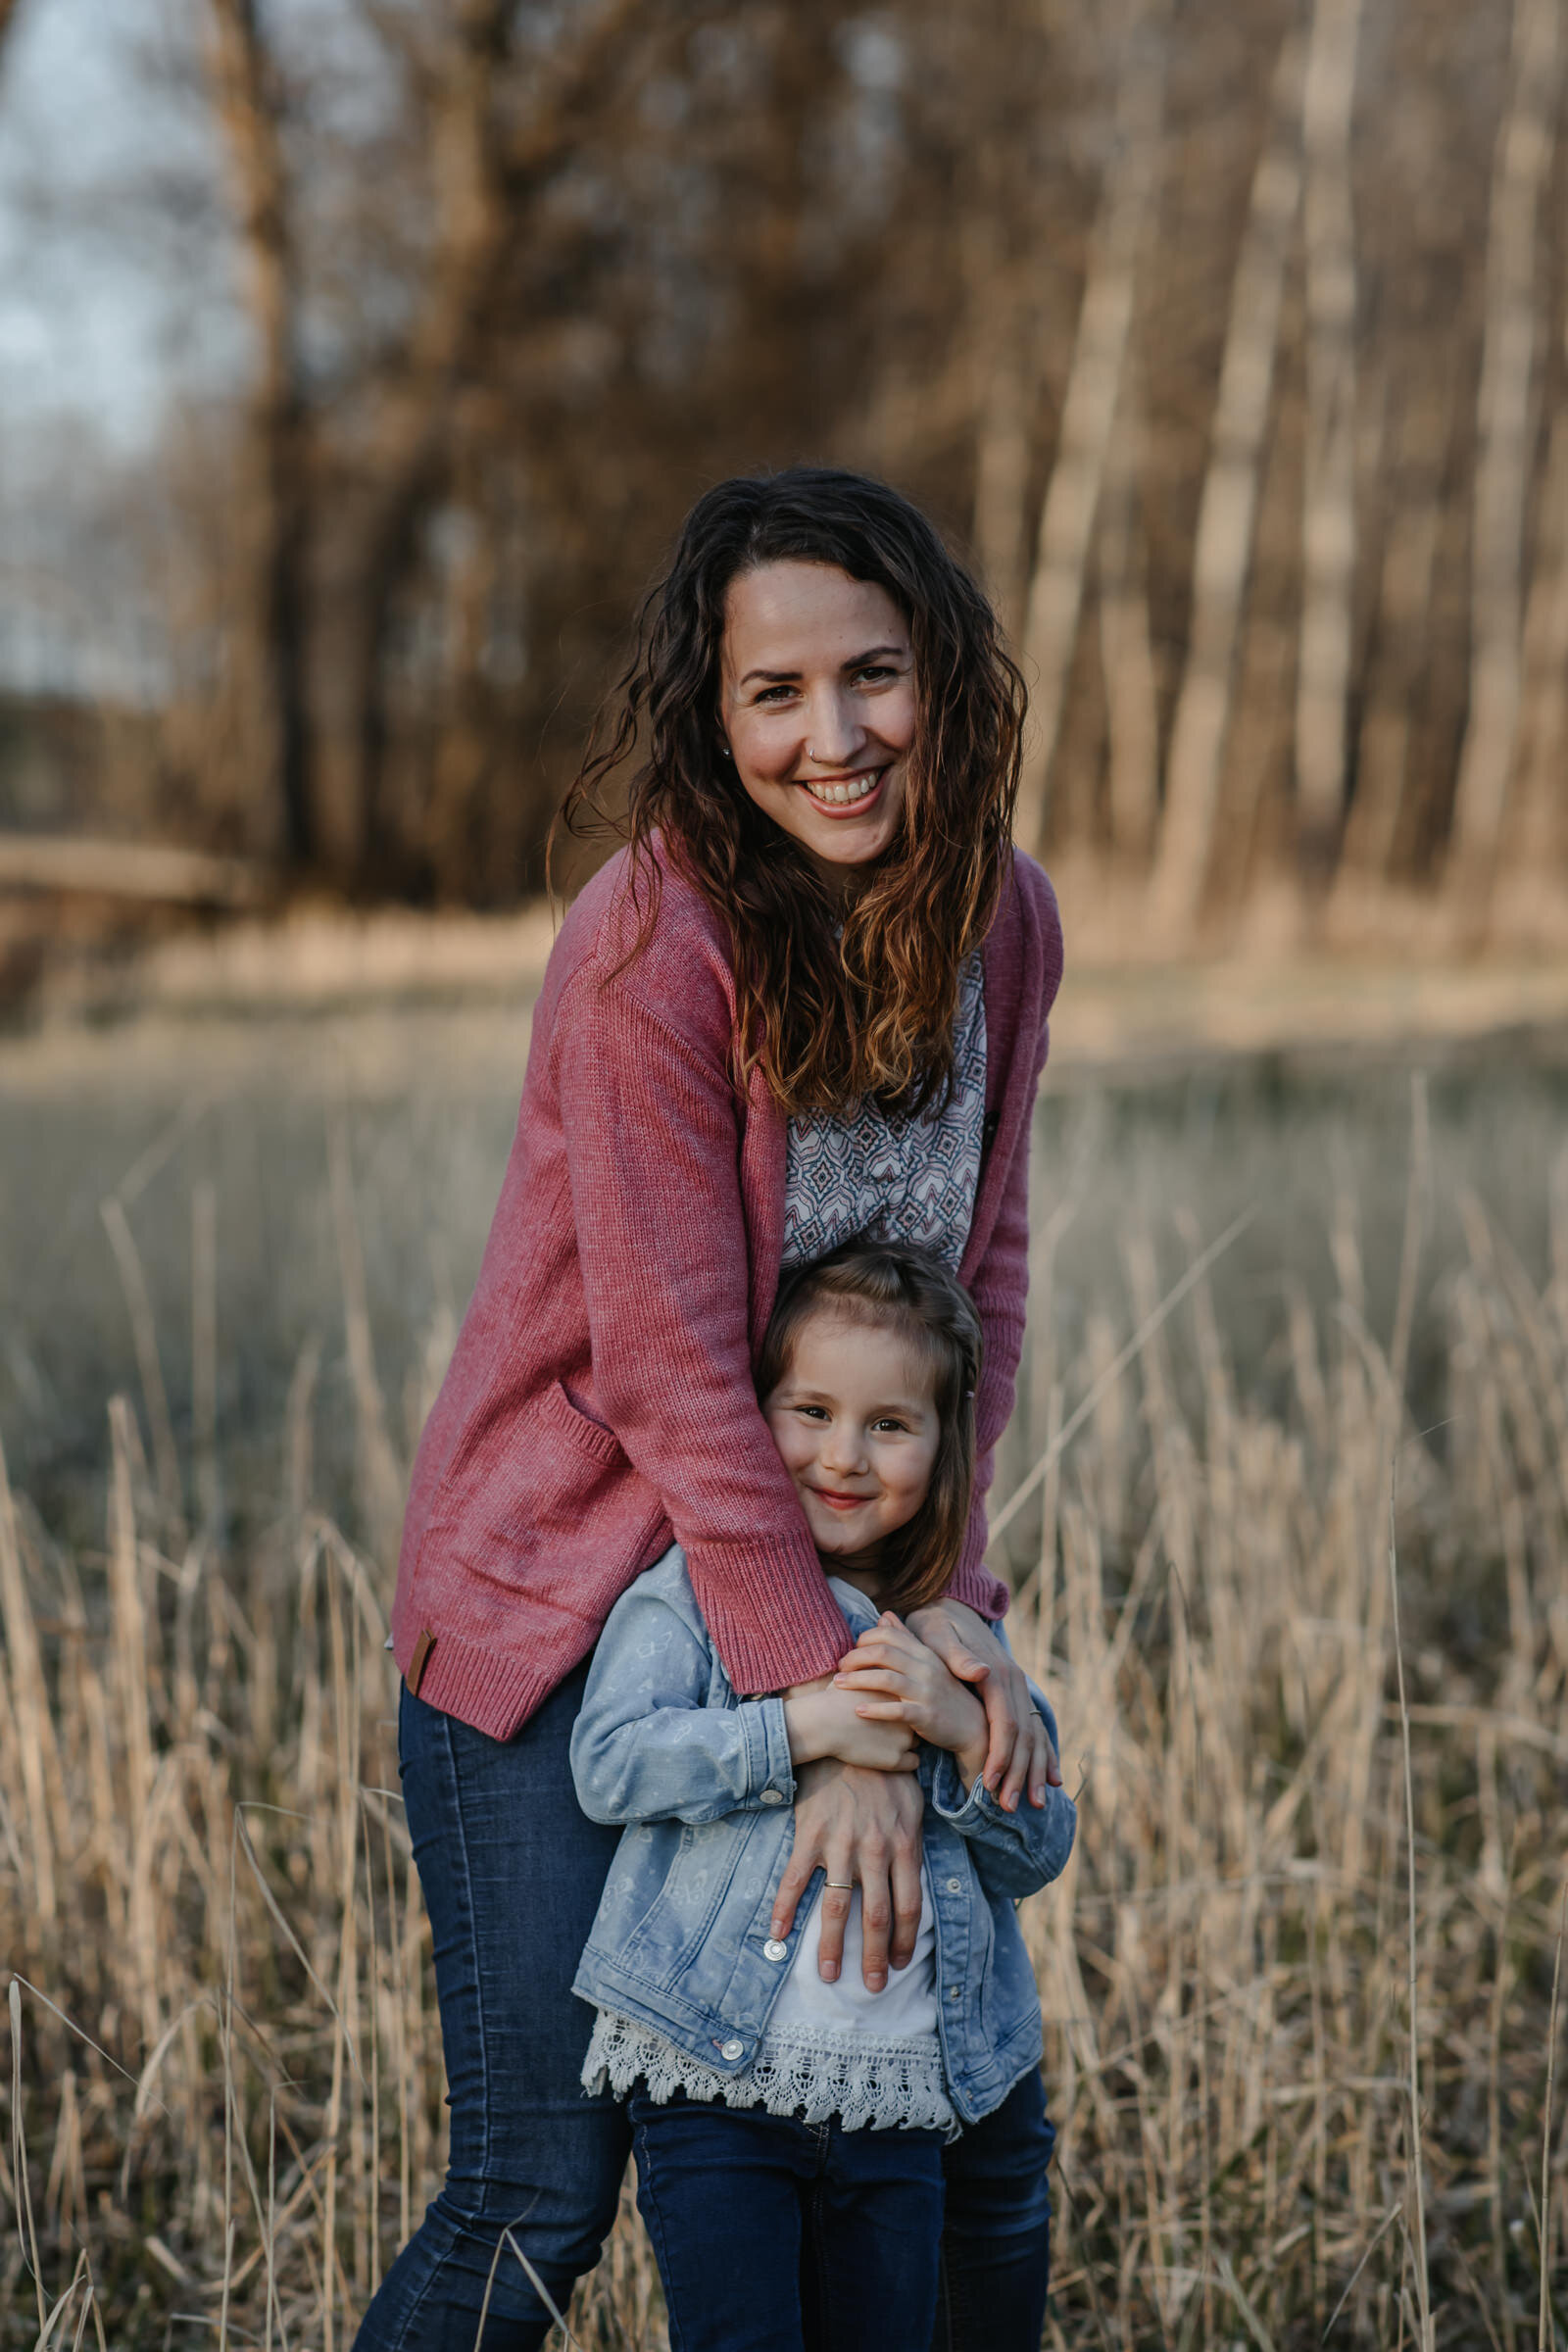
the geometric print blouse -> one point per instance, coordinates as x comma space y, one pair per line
895, 1179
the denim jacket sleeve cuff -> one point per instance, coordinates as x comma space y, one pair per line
965, 1808
770, 1775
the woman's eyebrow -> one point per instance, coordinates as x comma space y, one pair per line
787, 677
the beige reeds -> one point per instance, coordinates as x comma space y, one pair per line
1293, 1907
381, 1483
144, 1336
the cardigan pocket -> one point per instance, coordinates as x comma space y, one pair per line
556, 1408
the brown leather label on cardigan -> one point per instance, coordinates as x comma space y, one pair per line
420, 1660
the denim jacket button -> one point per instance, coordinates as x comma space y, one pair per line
773, 1796
954, 1885
772, 1950
732, 2049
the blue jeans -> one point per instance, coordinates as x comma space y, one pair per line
512, 1872
820, 2238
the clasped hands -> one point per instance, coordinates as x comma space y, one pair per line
942, 1677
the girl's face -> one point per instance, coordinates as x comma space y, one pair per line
855, 1420
819, 708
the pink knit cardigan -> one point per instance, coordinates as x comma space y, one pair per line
600, 1399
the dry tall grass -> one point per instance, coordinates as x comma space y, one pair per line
1299, 1981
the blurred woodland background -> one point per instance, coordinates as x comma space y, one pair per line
357, 360
1228, 339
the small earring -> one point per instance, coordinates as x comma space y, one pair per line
724, 752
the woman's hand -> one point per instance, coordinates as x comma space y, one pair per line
898, 1680
824, 1721
861, 1828
1020, 1752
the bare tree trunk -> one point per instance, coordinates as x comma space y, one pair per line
1404, 600
1323, 669
1132, 697
1228, 510
1521, 169
276, 514
1534, 879
1072, 499
485, 175
1001, 471
464, 750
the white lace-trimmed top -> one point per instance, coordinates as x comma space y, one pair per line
895, 1179
872, 2059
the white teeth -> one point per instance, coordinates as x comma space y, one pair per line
841, 795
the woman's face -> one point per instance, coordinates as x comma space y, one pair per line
819, 708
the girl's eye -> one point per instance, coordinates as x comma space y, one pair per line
899, 1428
812, 1413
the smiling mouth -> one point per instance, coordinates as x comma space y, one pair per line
836, 793
841, 1503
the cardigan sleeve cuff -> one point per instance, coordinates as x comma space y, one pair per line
971, 1581
767, 1606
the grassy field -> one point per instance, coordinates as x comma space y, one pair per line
1295, 1572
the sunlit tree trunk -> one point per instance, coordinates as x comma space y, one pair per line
1131, 703
1002, 437
1104, 323
1323, 668
1533, 844
1502, 468
1228, 510
1420, 451
274, 515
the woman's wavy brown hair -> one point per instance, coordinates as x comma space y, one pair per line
834, 1003
896, 1287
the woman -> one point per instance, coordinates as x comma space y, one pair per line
807, 999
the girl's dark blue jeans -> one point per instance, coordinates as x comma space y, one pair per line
826, 2238
512, 1872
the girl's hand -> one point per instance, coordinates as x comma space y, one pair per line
823, 1721
862, 1829
900, 1681
1020, 1750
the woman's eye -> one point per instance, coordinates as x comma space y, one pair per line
774, 694
878, 669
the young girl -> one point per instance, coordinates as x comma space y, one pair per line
788, 2122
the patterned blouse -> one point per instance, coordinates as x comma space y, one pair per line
895, 1179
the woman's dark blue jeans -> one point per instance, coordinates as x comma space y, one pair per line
512, 1872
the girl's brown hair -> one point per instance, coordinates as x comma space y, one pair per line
894, 1286
834, 1003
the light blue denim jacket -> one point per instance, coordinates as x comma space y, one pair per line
701, 1781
